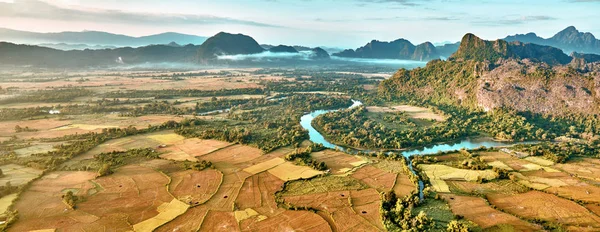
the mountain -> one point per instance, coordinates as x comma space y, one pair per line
397, 49
569, 40
474, 48
319, 54
97, 38
447, 50
283, 48
15, 54
425, 51
511, 75
228, 44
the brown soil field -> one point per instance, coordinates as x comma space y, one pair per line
258, 193
188, 149
118, 201
503, 186
342, 206
375, 178
234, 154
195, 187
224, 198
585, 168
478, 211
132, 191
41, 207
291, 221
338, 162
403, 185
219, 221
289, 171
191, 220
7, 128
535, 204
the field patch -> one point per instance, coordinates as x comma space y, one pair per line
87, 127
289, 171
195, 187
338, 162
290, 221
403, 185
6, 201
166, 213
168, 138
478, 211
41, 206
375, 178
18, 175
528, 205
540, 161
219, 221
500, 164
35, 149
234, 154
438, 173
323, 184
261, 167
341, 207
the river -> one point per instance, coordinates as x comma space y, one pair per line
316, 137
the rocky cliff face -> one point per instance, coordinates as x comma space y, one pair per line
528, 86
475, 48
496, 74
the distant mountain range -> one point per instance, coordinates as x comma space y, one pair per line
569, 40
222, 44
398, 49
15, 54
226, 48
93, 38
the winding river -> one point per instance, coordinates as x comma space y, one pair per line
316, 137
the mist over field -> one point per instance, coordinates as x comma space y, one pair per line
267, 56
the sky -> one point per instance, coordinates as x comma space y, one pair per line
335, 23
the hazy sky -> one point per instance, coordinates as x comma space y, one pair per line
342, 23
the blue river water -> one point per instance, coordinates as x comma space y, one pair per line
316, 137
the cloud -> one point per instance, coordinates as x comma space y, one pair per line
268, 56
426, 18
40, 10
399, 2
512, 20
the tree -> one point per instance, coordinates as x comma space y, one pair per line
69, 199
105, 170
456, 226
